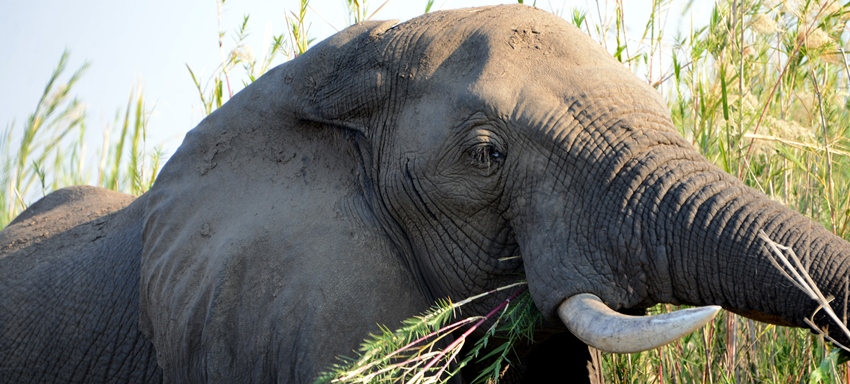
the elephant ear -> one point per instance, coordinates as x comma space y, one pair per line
341, 80
256, 186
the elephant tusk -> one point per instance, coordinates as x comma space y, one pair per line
599, 326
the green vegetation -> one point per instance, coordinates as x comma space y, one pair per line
412, 354
761, 90
51, 153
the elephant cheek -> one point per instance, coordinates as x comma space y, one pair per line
556, 271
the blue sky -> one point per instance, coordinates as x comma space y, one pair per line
149, 43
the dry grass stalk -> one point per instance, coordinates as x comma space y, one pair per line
796, 273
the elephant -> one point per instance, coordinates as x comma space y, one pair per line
389, 166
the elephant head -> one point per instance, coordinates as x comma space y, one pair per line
395, 164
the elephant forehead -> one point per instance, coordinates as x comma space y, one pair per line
508, 37
504, 55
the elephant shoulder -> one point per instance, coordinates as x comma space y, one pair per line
59, 211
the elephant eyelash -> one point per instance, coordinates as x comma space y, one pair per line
486, 156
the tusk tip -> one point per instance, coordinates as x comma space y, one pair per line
599, 326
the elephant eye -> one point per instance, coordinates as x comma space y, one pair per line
485, 156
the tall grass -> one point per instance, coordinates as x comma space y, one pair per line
761, 89
33, 160
51, 150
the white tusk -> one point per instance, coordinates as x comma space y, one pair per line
589, 319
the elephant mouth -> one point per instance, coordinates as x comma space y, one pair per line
599, 326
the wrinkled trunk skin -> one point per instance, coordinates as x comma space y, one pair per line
69, 292
691, 231
710, 224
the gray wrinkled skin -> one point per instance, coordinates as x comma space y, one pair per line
389, 166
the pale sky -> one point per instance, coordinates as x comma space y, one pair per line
150, 43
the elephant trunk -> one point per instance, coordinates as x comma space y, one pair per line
636, 216
708, 243
705, 230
